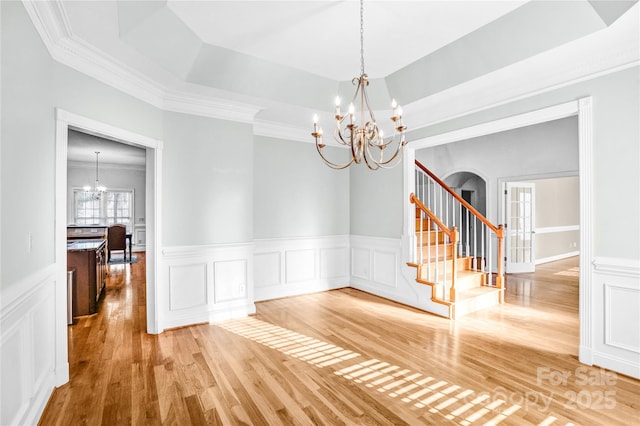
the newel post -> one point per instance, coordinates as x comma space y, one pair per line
500, 276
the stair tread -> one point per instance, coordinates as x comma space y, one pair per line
462, 273
475, 292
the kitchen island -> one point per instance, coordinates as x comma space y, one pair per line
88, 258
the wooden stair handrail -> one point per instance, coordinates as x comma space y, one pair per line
451, 233
498, 230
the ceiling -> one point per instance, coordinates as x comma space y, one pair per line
82, 148
323, 37
275, 63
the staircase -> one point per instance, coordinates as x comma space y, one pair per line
454, 249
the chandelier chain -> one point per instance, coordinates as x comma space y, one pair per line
361, 37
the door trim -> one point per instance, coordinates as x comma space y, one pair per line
64, 121
584, 110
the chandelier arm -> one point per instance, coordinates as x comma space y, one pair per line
392, 140
398, 158
337, 134
332, 164
366, 103
368, 163
384, 163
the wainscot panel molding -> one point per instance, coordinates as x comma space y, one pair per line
617, 315
378, 266
206, 284
28, 347
293, 266
139, 236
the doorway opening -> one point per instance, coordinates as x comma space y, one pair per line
581, 108
153, 185
542, 220
473, 189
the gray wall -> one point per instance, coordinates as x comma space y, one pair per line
557, 202
208, 164
376, 202
295, 194
28, 129
207, 179
543, 149
557, 205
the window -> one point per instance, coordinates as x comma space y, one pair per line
119, 207
111, 207
87, 208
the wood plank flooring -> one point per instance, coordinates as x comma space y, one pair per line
343, 357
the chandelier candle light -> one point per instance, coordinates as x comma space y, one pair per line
97, 190
365, 139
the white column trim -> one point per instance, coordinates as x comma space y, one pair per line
585, 165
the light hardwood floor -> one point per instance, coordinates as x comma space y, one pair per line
343, 357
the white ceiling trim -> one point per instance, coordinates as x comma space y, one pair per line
616, 48
51, 23
209, 107
275, 130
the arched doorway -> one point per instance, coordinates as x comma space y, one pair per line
473, 189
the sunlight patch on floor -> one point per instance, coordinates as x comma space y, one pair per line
289, 342
571, 272
453, 402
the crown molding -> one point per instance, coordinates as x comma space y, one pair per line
607, 51
275, 130
209, 107
50, 20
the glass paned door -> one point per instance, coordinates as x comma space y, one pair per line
520, 223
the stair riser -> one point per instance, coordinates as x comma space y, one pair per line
426, 225
474, 304
430, 237
429, 252
462, 264
462, 283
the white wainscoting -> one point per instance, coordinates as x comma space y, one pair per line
205, 284
377, 267
293, 266
616, 309
139, 236
28, 347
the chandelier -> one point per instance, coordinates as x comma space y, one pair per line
365, 139
97, 190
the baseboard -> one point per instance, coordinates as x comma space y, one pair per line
619, 365
557, 257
